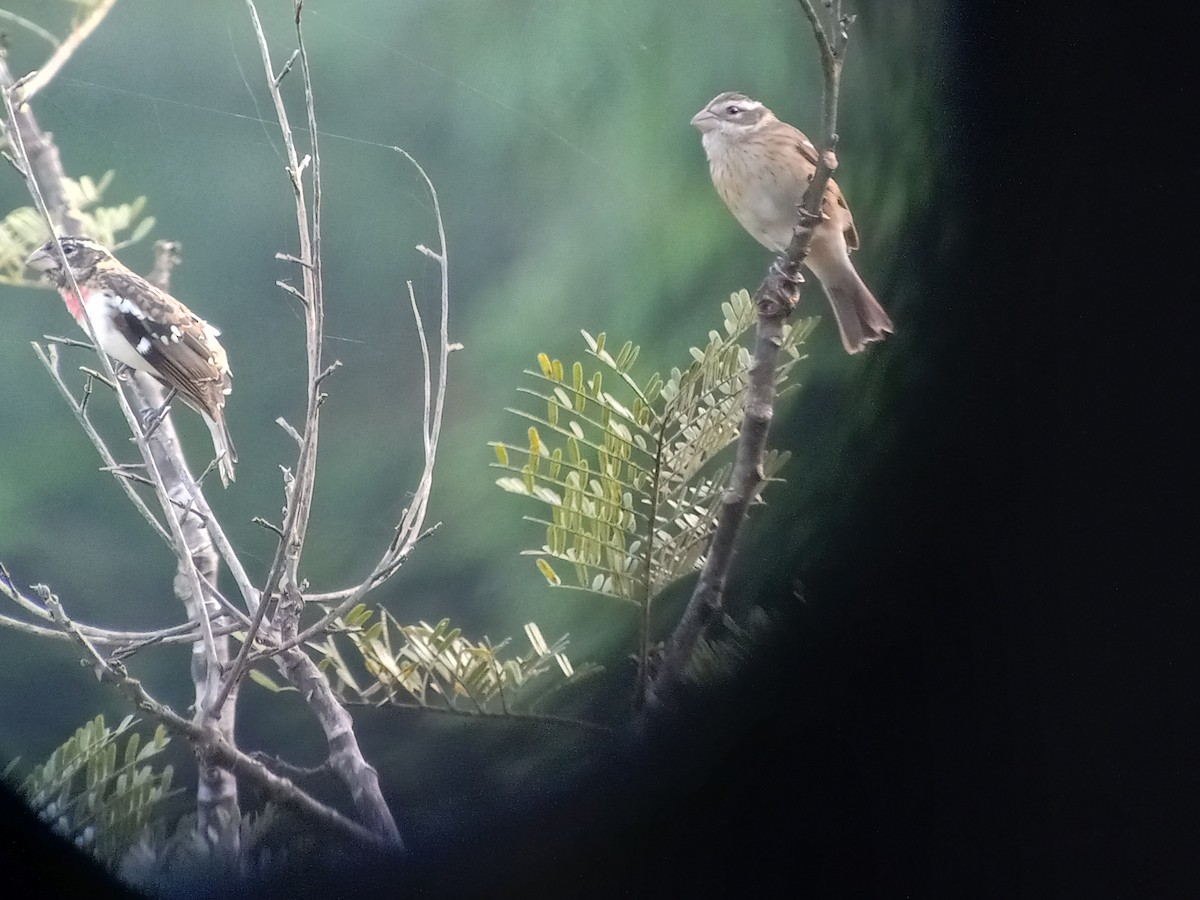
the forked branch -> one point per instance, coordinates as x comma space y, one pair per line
411, 528
211, 741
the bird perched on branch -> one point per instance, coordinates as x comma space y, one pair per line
761, 168
145, 328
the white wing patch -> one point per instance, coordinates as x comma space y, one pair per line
124, 305
99, 306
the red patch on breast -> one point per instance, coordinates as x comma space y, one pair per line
74, 307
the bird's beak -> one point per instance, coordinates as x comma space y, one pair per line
43, 259
704, 120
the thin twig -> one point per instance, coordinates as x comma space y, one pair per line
291, 432
287, 67
184, 633
50, 361
93, 375
32, 27
64, 52
295, 292
67, 342
277, 764
259, 520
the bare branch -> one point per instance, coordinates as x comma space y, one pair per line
346, 759
275, 763
213, 746
295, 524
282, 582
67, 342
329, 370
123, 471
167, 255
295, 292
32, 27
64, 52
287, 67
291, 432
259, 520
409, 530
174, 634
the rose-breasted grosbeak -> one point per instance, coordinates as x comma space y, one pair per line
761, 168
147, 329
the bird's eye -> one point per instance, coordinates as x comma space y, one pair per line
732, 110
69, 249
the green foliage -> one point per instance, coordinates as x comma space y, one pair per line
162, 860
22, 231
431, 665
629, 474
100, 796
721, 657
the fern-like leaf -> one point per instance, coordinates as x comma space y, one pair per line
98, 795
432, 665
627, 467
23, 230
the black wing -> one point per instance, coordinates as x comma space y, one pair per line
180, 346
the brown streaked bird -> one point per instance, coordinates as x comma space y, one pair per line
147, 329
761, 168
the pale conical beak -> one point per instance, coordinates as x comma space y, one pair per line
704, 120
43, 259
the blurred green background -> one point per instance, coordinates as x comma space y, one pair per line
575, 195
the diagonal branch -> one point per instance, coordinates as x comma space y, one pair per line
65, 51
31, 27
49, 358
774, 302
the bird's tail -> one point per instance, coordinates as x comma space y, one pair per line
222, 447
860, 318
